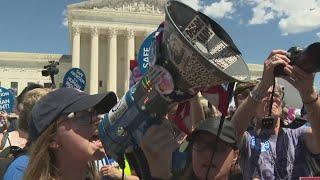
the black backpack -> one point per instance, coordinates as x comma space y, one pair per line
8, 155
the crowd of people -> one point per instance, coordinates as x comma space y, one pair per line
56, 136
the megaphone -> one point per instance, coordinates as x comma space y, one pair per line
190, 52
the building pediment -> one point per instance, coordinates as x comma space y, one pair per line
137, 6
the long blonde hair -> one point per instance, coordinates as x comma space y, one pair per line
42, 163
29, 100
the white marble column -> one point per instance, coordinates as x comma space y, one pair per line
112, 61
94, 63
130, 56
76, 47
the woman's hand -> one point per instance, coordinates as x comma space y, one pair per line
276, 58
110, 172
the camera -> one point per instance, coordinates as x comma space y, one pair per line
307, 59
51, 69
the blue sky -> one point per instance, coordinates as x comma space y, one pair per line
34, 26
256, 26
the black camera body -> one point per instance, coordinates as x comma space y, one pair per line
294, 54
51, 69
307, 59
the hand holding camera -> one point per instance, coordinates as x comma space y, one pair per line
307, 59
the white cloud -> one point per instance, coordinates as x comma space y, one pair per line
65, 18
294, 16
262, 13
195, 4
318, 34
220, 9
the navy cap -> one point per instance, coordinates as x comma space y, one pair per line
64, 101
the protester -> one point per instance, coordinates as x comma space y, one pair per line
17, 137
17, 167
64, 134
205, 146
275, 152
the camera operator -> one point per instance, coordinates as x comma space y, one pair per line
272, 152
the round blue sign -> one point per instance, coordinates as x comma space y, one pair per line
6, 100
75, 78
143, 55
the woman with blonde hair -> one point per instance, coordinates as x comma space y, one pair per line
64, 135
15, 168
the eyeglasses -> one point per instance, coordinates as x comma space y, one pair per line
276, 95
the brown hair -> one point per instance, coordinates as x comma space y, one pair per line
42, 164
29, 100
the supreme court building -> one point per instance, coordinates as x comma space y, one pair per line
104, 36
107, 34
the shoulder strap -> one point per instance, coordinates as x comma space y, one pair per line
6, 161
4, 139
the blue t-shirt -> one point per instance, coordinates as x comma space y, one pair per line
17, 168
274, 157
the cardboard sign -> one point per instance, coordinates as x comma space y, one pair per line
6, 100
143, 55
75, 78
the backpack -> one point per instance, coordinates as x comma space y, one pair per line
8, 155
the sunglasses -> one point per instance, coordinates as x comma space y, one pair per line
86, 117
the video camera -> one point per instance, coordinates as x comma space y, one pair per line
307, 59
51, 69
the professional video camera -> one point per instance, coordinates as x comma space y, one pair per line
51, 70
307, 59
190, 52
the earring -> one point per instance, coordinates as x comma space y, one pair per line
54, 145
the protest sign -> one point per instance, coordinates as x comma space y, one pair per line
6, 100
75, 78
143, 55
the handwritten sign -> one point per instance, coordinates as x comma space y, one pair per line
143, 55
75, 78
6, 100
